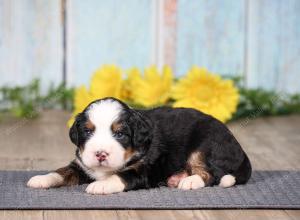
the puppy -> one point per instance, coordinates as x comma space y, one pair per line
121, 149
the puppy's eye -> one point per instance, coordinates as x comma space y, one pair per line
118, 134
88, 131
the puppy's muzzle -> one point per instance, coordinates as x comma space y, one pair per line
101, 156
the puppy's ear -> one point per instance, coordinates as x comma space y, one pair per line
142, 129
73, 133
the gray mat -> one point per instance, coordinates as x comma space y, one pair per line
266, 189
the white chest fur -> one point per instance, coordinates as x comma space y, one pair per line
98, 173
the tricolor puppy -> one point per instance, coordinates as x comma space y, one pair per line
121, 149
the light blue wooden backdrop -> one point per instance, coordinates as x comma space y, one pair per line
211, 34
105, 32
30, 41
257, 39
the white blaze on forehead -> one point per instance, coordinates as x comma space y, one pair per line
103, 113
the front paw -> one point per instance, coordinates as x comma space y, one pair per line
110, 185
45, 181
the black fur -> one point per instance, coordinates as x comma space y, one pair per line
164, 138
78, 132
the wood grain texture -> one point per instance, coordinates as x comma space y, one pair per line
78, 215
36, 142
293, 214
271, 143
151, 214
30, 42
24, 215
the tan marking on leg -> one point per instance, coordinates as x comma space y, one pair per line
196, 166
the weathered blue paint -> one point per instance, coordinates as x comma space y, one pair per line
30, 42
106, 32
259, 39
211, 34
274, 45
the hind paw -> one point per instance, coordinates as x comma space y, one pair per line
191, 182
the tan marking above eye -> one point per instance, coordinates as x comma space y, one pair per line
90, 125
116, 126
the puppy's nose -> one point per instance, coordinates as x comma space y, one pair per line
101, 155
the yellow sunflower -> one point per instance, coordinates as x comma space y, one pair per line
153, 88
130, 83
206, 92
82, 98
105, 82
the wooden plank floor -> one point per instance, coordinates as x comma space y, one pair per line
271, 143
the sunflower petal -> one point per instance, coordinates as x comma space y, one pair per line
206, 92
